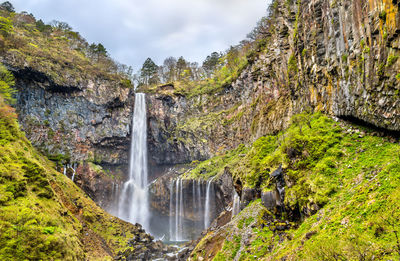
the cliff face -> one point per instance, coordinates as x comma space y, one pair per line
167, 144
89, 120
341, 58
84, 120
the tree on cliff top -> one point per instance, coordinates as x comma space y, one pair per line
149, 73
97, 51
211, 62
7, 6
168, 70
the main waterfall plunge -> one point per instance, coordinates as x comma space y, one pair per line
133, 204
190, 210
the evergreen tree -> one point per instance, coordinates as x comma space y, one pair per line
7, 6
97, 50
211, 63
101, 50
181, 66
42, 27
149, 73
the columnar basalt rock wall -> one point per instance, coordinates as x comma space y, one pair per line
90, 121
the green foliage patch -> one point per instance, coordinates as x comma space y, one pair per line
344, 181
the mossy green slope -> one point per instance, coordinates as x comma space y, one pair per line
43, 214
343, 182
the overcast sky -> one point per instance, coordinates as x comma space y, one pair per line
133, 30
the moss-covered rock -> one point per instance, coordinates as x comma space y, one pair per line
341, 183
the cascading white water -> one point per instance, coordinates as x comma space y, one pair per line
204, 207
236, 204
73, 171
177, 205
207, 205
181, 212
113, 208
194, 194
70, 166
177, 229
199, 207
177, 210
133, 204
171, 212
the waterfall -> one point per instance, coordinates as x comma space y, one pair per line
133, 204
199, 197
70, 166
176, 230
115, 199
180, 229
207, 205
171, 213
194, 195
236, 204
73, 171
177, 210
181, 213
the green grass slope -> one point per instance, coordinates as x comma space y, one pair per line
342, 194
43, 215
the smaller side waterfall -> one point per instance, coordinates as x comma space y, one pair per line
71, 166
189, 216
113, 208
177, 230
207, 205
181, 210
236, 204
171, 212
73, 171
194, 194
199, 203
115, 192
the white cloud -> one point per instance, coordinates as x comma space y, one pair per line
133, 30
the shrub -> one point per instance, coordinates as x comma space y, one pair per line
6, 81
